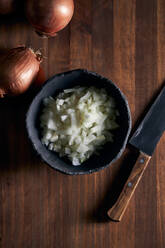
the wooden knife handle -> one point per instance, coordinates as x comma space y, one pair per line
116, 212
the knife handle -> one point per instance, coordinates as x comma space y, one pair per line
116, 212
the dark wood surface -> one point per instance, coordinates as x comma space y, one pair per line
123, 40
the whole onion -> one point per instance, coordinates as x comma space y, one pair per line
18, 69
7, 6
49, 17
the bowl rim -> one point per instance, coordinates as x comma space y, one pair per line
67, 172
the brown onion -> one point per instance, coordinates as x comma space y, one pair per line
7, 6
18, 69
40, 79
49, 17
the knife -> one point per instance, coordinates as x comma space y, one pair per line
145, 140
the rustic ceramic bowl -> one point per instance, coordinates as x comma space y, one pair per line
110, 152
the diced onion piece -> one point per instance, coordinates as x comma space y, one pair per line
78, 122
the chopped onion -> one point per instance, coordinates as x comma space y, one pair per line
78, 122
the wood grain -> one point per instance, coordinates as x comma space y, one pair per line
39, 207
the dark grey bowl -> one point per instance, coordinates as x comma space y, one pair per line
110, 152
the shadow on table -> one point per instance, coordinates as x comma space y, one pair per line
12, 19
99, 214
17, 15
9, 23
14, 144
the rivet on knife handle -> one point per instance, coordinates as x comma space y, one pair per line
118, 209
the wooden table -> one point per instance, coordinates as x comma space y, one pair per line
123, 40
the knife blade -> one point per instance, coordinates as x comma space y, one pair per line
145, 139
152, 127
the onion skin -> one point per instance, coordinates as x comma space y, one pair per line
7, 6
40, 78
49, 17
19, 68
